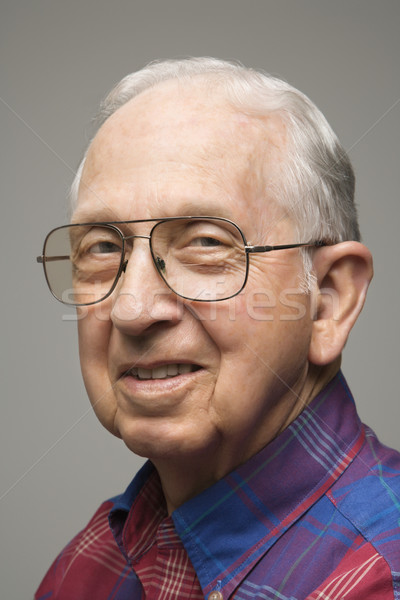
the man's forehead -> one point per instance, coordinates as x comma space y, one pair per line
173, 108
173, 122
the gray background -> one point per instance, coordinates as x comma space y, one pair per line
57, 60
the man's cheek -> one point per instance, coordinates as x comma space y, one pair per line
101, 312
94, 330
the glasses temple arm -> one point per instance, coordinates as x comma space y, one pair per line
42, 259
250, 249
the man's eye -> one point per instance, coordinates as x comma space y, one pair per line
206, 242
104, 248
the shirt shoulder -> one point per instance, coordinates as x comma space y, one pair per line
90, 566
368, 496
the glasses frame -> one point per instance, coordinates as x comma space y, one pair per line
249, 249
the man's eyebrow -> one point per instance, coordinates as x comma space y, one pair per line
187, 208
199, 208
84, 216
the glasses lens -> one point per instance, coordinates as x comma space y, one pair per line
82, 262
200, 259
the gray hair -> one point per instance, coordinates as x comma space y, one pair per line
316, 183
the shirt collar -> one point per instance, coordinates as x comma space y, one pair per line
228, 527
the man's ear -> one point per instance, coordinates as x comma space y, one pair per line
343, 273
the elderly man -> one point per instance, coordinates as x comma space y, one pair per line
215, 261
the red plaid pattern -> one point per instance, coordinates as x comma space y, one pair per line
156, 551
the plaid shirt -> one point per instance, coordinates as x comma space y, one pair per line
315, 515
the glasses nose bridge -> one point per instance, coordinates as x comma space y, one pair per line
132, 237
136, 236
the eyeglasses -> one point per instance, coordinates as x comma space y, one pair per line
205, 259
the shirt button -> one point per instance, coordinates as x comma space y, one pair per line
215, 596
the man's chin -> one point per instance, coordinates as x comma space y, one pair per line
162, 440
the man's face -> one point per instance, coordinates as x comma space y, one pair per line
238, 365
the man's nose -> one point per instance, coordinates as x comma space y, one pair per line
142, 298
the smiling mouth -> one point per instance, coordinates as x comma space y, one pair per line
162, 371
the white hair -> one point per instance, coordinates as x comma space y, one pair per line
316, 180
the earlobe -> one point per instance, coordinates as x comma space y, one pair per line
343, 273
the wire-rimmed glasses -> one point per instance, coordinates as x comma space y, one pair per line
204, 259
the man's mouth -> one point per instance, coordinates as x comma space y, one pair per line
162, 371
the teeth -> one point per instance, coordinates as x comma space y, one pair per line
162, 372
144, 373
159, 372
172, 370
